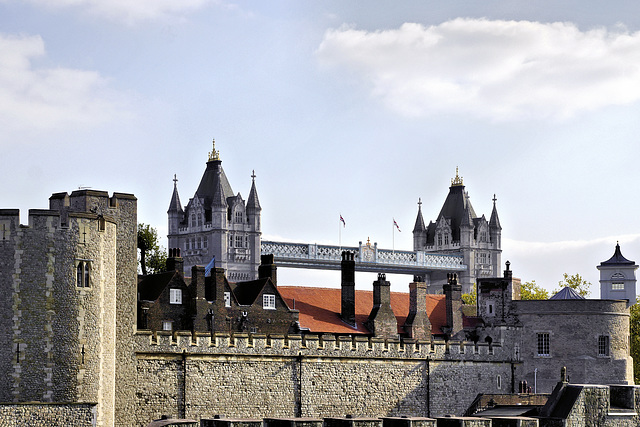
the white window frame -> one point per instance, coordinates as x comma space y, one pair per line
268, 301
227, 299
617, 286
167, 325
175, 296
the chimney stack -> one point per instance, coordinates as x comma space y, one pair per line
268, 268
382, 322
175, 261
417, 325
453, 300
348, 286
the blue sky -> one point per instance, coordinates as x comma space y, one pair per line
348, 108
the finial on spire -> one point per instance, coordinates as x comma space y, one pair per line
253, 175
457, 180
494, 199
175, 180
214, 154
419, 203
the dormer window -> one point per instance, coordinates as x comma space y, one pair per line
175, 296
269, 301
238, 217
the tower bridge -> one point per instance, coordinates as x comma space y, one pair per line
368, 258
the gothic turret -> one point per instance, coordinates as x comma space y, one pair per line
175, 212
419, 230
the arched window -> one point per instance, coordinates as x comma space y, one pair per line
79, 272
82, 274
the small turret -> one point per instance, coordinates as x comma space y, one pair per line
419, 230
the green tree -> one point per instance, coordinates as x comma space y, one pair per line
470, 298
153, 257
575, 282
634, 332
530, 290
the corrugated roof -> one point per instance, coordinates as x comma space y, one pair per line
320, 309
567, 293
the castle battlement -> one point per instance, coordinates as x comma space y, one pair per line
165, 342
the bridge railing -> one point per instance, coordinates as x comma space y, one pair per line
300, 253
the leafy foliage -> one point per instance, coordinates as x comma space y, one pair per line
470, 298
153, 258
531, 291
634, 331
575, 282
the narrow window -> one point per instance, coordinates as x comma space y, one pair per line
175, 296
86, 274
167, 325
446, 239
269, 302
543, 344
205, 243
603, 345
101, 223
499, 382
238, 241
439, 239
79, 273
227, 299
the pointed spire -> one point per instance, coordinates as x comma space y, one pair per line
494, 221
419, 227
175, 205
253, 202
467, 219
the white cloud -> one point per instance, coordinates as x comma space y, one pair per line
132, 11
49, 98
501, 70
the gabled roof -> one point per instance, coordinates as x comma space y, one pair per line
617, 259
320, 309
567, 293
247, 292
152, 285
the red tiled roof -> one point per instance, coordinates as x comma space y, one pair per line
320, 309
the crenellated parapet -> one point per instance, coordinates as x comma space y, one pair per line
326, 346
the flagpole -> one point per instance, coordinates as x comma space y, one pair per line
393, 237
340, 233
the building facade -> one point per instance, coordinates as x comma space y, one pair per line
215, 223
458, 230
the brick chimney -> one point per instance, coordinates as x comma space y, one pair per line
348, 286
453, 301
417, 325
268, 268
175, 261
200, 305
382, 322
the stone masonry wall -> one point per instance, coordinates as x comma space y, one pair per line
258, 376
52, 414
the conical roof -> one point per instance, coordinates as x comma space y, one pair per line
567, 293
419, 227
253, 202
175, 205
494, 221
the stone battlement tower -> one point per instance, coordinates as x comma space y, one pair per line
217, 223
68, 298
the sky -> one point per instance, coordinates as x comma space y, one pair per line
346, 108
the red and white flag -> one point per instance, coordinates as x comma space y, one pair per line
344, 224
396, 224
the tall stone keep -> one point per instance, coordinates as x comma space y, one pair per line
217, 223
458, 230
618, 278
68, 298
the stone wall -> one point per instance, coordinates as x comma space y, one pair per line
259, 376
574, 327
48, 414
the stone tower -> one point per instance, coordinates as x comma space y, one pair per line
68, 292
458, 230
618, 278
217, 223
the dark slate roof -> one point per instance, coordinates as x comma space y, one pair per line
210, 182
247, 292
494, 221
152, 285
458, 209
419, 221
567, 293
253, 202
617, 259
175, 205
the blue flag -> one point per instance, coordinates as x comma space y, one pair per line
211, 265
